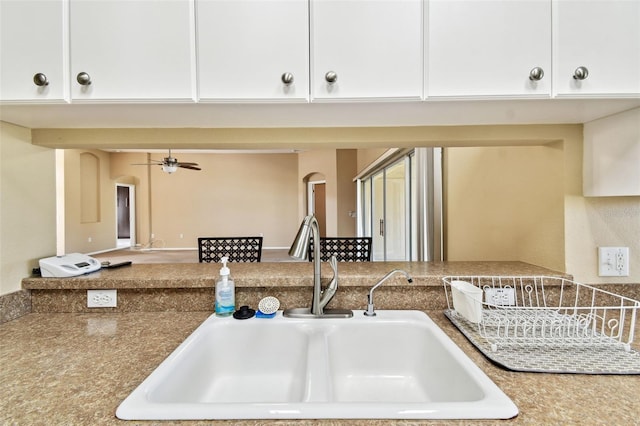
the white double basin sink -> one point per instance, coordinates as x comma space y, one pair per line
396, 365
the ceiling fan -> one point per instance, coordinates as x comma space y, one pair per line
170, 164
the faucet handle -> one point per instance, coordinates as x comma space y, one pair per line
330, 291
333, 261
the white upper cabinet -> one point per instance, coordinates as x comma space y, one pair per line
489, 48
366, 49
132, 50
596, 48
33, 50
611, 155
253, 49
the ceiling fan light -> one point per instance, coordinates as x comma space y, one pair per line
169, 168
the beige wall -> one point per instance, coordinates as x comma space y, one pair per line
233, 195
594, 222
580, 225
339, 167
346, 169
323, 162
368, 156
123, 170
27, 205
505, 203
87, 236
511, 209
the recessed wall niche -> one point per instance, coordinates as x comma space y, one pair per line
89, 188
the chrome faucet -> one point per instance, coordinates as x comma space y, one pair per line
371, 312
299, 249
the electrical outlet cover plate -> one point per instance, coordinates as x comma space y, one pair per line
504, 296
102, 298
613, 261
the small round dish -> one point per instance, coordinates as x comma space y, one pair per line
269, 305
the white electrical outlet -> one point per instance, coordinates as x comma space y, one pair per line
613, 261
505, 296
102, 298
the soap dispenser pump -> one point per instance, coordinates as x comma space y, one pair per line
225, 292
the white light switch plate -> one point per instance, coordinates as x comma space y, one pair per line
613, 261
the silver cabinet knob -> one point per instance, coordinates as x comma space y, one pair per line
536, 74
40, 80
287, 78
581, 73
331, 77
84, 79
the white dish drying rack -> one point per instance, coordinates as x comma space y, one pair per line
542, 311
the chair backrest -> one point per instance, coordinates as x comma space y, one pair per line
237, 249
351, 249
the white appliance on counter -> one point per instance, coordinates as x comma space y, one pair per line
68, 265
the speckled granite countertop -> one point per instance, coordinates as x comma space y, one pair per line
75, 369
189, 286
281, 274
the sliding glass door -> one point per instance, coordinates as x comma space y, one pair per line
387, 193
397, 208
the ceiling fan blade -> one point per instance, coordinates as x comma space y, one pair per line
146, 164
188, 166
170, 162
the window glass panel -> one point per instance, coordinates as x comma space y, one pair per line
414, 207
395, 223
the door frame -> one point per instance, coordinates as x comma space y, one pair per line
311, 208
132, 212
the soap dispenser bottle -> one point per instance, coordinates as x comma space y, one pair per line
225, 292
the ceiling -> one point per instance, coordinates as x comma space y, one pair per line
321, 114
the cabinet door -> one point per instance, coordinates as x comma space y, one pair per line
33, 41
601, 37
372, 48
253, 49
611, 156
132, 49
489, 48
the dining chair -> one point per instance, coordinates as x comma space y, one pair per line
237, 249
346, 249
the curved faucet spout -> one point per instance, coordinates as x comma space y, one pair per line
309, 228
300, 246
370, 312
